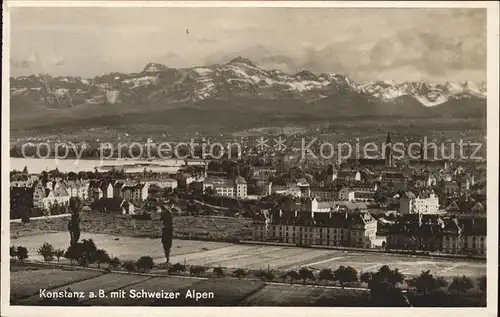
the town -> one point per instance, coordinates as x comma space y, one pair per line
422, 205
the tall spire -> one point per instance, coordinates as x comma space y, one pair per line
388, 140
422, 151
388, 151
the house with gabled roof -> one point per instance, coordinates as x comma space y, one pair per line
451, 237
135, 193
474, 235
466, 208
58, 195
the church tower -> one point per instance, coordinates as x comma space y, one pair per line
388, 151
423, 151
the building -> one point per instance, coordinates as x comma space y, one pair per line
52, 193
236, 188
117, 188
415, 232
322, 193
38, 195
127, 208
466, 182
21, 183
293, 190
451, 188
452, 237
98, 189
328, 229
363, 191
136, 193
164, 183
348, 176
313, 205
474, 236
423, 203
21, 200
345, 194
264, 172
466, 208
423, 181
396, 181
57, 196
78, 188
431, 233
331, 174
240, 187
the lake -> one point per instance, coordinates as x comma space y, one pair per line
37, 166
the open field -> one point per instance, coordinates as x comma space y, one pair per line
28, 283
281, 258
226, 291
278, 295
185, 227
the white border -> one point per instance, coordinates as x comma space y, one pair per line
492, 170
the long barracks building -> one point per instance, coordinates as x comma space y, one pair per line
352, 229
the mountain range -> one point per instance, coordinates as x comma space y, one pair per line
236, 85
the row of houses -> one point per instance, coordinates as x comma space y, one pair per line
449, 235
60, 192
348, 191
358, 229
328, 229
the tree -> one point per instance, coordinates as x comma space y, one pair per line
461, 284
13, 252
305, 274
114, 263
392, 276
22, 253
219, 272
129, 266
292, 275
87, 251
83, 252
59, 253
145, 263
383, 287
167, 233
260, 274
366, 277
326, 275
71, 254
481, 283
47, 252
239, 273
101, 256
425, 283
75, 206
345, 275
177, 267
269, 276
196, 270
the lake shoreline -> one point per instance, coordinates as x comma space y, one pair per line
38, 165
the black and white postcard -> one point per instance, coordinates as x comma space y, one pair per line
179, 158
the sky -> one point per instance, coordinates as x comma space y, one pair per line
364, 44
